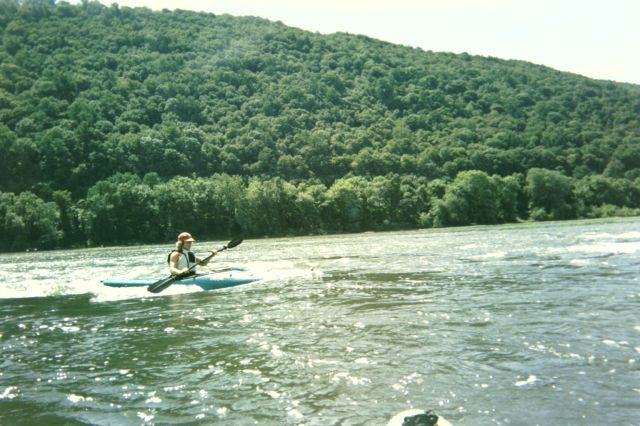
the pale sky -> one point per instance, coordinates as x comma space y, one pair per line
595, 38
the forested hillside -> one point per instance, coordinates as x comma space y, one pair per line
121, 125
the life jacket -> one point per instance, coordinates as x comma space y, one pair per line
187, 259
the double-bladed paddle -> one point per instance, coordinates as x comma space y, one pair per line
160, 285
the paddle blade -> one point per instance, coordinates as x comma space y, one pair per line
233, 243
158, 286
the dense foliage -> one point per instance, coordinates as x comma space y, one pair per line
123, 125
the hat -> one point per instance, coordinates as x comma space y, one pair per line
185, 236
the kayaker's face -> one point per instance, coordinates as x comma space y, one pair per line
187, 244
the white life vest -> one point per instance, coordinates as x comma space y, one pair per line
187, 259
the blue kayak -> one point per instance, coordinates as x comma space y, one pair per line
212, 281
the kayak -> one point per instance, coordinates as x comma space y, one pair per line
212, 281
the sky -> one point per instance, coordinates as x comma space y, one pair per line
595, 38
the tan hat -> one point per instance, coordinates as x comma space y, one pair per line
185, 236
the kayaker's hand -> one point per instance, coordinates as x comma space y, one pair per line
208, 258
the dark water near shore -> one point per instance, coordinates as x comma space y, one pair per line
525, 324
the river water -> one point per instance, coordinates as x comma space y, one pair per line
520, 325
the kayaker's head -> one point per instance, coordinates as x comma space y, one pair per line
184, 241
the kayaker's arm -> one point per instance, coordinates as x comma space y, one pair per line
205, 261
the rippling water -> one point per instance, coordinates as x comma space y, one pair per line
527, 324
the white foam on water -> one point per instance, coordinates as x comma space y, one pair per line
608, 236
111, 294
78, 398
492, 255
153, 400
629, 235
273, 394
174, 388
313, 362
413, 378
531, 379
607, 243
580, 262
606, 248
348, 378
145, 417
471, 246
295, 414
282, 270
69, 328
276, 352
9, 392
597, 236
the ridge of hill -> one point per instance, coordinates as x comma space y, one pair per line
115, 121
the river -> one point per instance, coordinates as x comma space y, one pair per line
514, 325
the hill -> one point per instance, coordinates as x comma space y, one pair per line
126, 125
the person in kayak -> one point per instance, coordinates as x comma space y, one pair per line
182, 260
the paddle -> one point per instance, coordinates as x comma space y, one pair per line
160, 285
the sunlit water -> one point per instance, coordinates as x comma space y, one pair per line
523, 325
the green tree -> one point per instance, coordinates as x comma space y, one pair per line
345, 205
217, 201
472, 198
29, 222
177, 204
120, 210
625, 161
270, 208
511, 198
550, 195
383, 196
71, 232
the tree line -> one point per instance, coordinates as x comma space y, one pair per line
125, 209
92, 96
